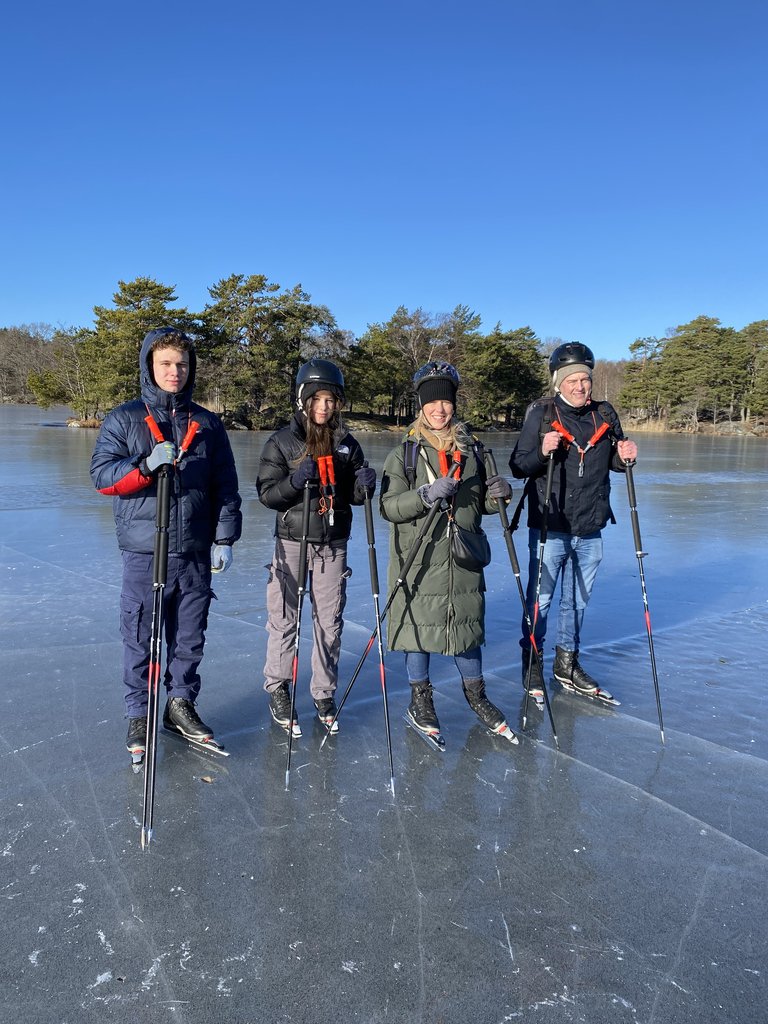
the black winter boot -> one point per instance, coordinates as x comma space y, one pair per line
280, 708
568, 671
180, 716
136, 740
537, 675
489, 714
421, 710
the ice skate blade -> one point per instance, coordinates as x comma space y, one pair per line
506, 734
599, 696
434, 741
295, 729
535, 700
209, 746
332, 729
137, 761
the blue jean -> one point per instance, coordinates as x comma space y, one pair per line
576, 561
469, 664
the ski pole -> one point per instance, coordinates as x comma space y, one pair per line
374, 574
640, 556
159, 578
492, 471
436, 508
542, 544
300, 601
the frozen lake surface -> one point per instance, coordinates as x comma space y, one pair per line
613, 881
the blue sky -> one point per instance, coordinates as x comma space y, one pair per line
596, 170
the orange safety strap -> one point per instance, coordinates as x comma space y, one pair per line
328, 484
570, 439
159, 437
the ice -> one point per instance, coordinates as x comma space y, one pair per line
617, 880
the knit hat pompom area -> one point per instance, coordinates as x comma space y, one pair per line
436, 389
568, 371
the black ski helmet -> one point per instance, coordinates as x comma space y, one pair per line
436, 381
318, 375
572, 352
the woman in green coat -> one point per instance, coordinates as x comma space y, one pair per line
440, 608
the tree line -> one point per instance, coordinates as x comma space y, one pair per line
253, 335
703, 372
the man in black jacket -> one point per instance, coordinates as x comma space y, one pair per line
585, 441
135, 440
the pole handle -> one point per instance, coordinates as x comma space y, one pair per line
154, 430
633, 509
372, 563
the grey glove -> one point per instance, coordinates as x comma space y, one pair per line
305, 472
443, 487
162, 454
221, 557
499, 488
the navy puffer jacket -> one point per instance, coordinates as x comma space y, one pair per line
205, 503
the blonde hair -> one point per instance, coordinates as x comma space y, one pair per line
456, 435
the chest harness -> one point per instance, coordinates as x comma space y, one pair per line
327, 486
159, 437
569, 439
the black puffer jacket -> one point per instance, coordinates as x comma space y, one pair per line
580, 505
279, 460
205, 504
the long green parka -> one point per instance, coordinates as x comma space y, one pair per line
440, 608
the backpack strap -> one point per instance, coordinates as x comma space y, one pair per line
478, 450
410, 457
412, 448
548, 414
609, 414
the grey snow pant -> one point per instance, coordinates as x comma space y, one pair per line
327, 589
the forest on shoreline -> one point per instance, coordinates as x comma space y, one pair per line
252, 336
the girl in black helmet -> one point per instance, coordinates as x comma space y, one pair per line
316, 448
440, 608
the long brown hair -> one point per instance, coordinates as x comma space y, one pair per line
320, 437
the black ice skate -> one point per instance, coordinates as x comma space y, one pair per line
326, 712
536, 690
181, 718
136, 741
421, 716
488, 713
280, 709
569, 673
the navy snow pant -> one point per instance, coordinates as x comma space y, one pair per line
187, 598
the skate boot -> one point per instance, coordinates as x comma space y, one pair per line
280, 708
421, 713
326, 712
488, 713
136, 740
537, 676
569, 672
180, 716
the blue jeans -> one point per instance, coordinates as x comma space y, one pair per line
469, 664
576, 561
